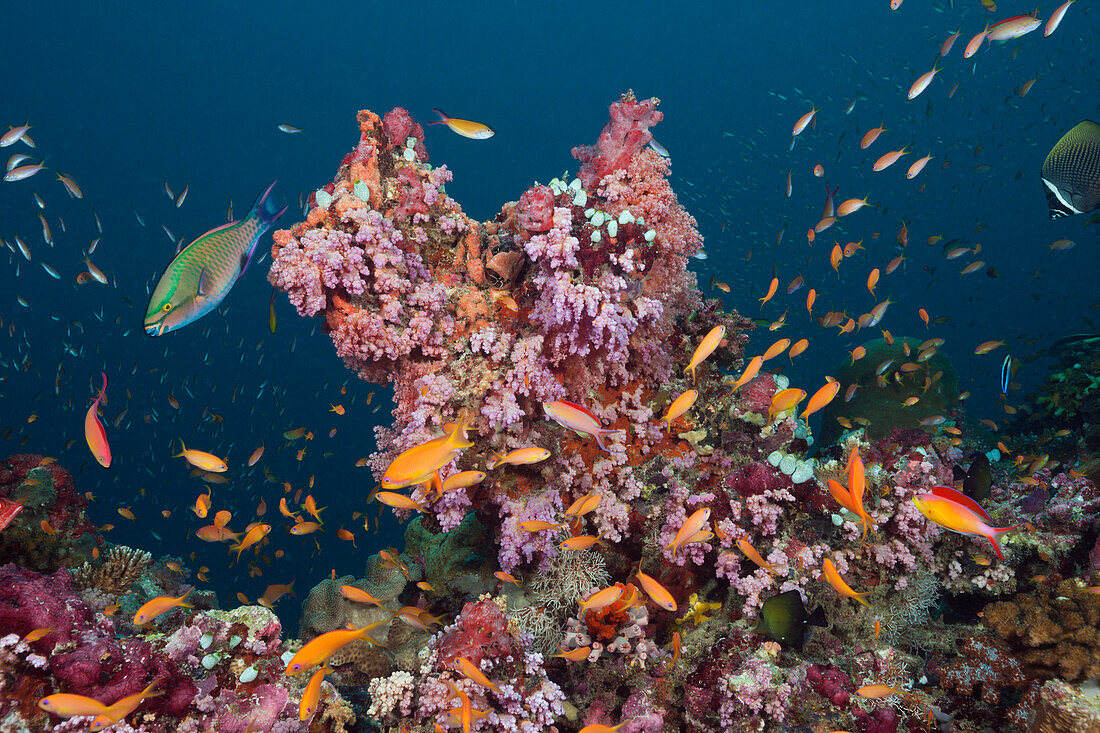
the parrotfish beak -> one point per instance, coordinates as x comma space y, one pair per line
155, 329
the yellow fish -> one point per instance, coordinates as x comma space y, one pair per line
200, 459
465, 128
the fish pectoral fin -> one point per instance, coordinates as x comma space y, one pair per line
246, 257
201, 291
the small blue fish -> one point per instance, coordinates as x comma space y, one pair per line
1006, 374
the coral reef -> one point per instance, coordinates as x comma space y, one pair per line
51, 531
1054, 629
579, 560
215, 670
579, 293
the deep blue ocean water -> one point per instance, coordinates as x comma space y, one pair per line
124, 97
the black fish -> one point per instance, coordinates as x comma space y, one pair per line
978, 479
1071, 172
783, 618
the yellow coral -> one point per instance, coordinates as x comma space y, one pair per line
698, 611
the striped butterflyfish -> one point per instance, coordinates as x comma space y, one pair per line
1071, 172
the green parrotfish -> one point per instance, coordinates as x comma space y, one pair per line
204, 272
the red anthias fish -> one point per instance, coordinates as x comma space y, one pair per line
8, 511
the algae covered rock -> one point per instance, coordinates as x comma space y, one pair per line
888, 376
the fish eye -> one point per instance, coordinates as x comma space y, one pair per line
167, 307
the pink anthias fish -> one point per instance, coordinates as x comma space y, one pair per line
9, 510
578, 419
23, 172
957, 512
1014, 27
94, 431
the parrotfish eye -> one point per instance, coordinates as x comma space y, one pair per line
167, 307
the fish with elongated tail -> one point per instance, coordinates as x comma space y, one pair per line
200, 276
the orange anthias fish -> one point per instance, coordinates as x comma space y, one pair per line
821, 398
358, 595
312, 694
159, 605
202, 506
214, 533
709, 343
785, 401
461, 480
399, 501
574, 655
830, 574
519, 457
471, 670
679, 406
750, 372
601, 599
656, 592
320, 648
67, 705
254, 535
957, 512
116, 712
417, 464
201, 459
776, 349
465, 715
691, 526
94, 433
746, 547
874, 692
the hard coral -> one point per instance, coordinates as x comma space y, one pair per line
1054, 629
120, 567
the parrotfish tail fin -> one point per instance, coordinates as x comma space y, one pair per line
997, 532
267, 210
442, 116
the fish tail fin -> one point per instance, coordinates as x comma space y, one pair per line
859, 597
598, 435
442, 115
183, 449
996, 532
266, 209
